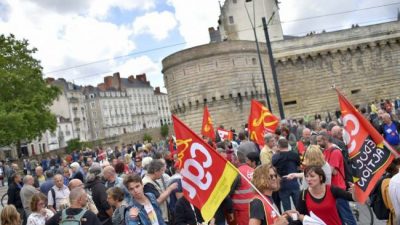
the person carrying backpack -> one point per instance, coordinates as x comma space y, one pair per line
75, 214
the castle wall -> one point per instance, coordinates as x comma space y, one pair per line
362, 62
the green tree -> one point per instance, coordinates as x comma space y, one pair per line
164, 130
24, 95
147, 137
73, 144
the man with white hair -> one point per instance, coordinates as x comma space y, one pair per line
77, 211
76, 172
27, 191
58, 194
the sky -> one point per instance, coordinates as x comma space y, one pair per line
85, 40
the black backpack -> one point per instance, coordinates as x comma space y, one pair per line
377, 204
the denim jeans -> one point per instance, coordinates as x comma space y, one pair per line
345, 212
285, 195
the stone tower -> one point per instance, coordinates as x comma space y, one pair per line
239, 16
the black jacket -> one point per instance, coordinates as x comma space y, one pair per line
185, 215
14, 197
99, 196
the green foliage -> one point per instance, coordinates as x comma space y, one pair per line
24, 95
73, 144
147, 137
164, 130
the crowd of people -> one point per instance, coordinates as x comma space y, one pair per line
303, 170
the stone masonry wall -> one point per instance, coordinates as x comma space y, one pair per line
362, 62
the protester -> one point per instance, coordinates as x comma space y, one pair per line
188, 214
13, 193
75, 183
115, 197
262, 209
244, 191
286, 162
313, 157
78, 200
39, 178
76, 172
99, 195
155, 171
10, 216
320, 198
39, 214
27, 191
394, 193
334, 157
58, 195
111, 178
144, 208
48, 184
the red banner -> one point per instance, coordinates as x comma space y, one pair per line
206, 176
370, 155
225, 134
207, 129
261, 121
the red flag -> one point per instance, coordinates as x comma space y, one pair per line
368, 151
206, 176
225, 134
207, 129
261, 121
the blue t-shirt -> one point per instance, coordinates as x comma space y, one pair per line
391, 134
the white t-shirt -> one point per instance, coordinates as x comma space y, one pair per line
394, 194
151, 213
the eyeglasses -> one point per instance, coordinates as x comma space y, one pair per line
272, 176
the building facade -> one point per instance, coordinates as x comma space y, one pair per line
164, 114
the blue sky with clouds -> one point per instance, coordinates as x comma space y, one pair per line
77, 32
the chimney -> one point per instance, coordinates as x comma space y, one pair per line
157, 90
49, 80
108, 82
131, 78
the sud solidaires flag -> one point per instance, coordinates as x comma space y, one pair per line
207, 129
261, 121
369, 153
206, 176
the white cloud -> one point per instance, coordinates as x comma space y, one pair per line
100, 8
65, 40
157, 24
195, 17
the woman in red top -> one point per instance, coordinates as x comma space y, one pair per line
320, 198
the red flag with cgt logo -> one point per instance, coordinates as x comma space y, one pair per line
206, 176
369, 153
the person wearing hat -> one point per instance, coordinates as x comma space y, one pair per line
99, 194
76, 172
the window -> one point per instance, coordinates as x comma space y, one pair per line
231, 20
290, 103
234, 1
254, 61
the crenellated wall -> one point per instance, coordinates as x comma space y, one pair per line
363, 62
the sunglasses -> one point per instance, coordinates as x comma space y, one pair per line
272, 176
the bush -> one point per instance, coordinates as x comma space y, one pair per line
73, 144
147, 138
164, 130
